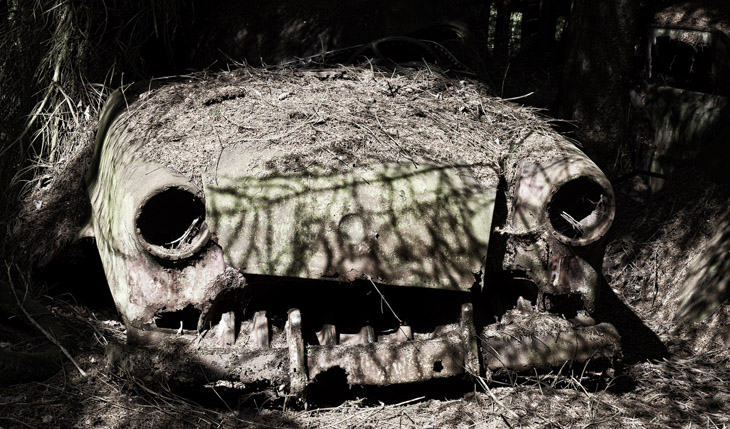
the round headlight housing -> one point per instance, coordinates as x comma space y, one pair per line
170, 223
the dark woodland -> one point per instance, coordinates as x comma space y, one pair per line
641, 87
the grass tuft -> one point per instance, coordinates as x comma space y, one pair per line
58, 59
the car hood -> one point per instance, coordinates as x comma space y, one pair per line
411, 223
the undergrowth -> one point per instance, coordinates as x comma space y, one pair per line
58, 59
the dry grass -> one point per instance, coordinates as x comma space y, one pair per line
657, 244
58, 59
674, 393
332, 120
687, 389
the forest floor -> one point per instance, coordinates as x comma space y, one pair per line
674, 374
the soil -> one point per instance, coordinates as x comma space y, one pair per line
674, 371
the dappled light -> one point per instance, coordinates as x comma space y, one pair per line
707, 286
328, 230
345, 215
396, 223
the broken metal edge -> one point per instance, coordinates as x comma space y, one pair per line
293, 367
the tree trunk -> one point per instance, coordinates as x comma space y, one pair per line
502, 30
548, 24
530, 24
597, 74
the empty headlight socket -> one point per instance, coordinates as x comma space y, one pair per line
580, 211
170, 222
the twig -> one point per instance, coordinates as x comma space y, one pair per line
218, 161
579, 384
560, 372
98, 336
213, 388
504, 78
364, 128
346, 164
50, 337
384, 300
494, 398
191, 231
337, 423
599, 422
407, 402
519, 96
382, 128
12, 419
505, 421
270, 138
113, 403
403, 413
573, 223
656, 276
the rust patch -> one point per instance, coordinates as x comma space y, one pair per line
390, 363
542, 341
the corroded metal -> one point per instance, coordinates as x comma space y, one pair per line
563, 207
542, 341
366, 335
297, 358
404, 224
402, 333
189, 263
327, 336
469, 340
366, 362
520, 341
559, 270
260, 330
383, 364
226, 329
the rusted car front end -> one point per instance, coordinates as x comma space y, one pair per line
258, 228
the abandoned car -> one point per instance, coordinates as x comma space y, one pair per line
686, 92
277, 225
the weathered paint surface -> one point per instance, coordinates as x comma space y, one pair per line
424, 225
560, 264
539, 182
119, 182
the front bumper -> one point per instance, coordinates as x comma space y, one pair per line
263, 354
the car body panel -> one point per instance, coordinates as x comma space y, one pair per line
413, 223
